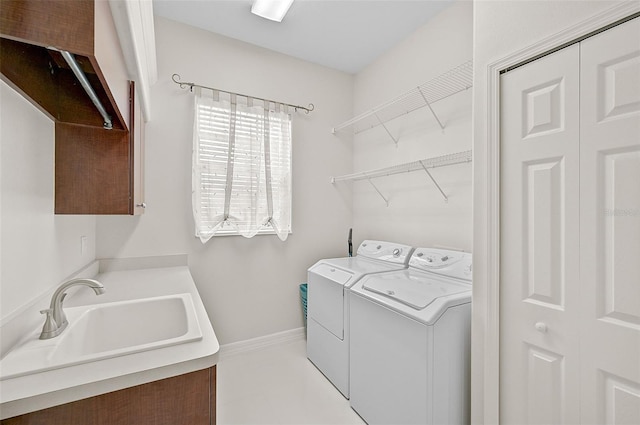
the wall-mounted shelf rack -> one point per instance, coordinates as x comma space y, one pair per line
451, 82
420, 165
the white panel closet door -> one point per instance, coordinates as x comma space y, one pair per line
610, 226
539, 310
570, 235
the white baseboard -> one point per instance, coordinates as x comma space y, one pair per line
261, 342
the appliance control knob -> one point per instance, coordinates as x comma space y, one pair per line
445, 258
379, 247
420, 254
333, 270
396, 252
390, 292
429, 259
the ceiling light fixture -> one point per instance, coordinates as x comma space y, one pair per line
273, 10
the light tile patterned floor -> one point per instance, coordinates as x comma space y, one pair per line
278, 385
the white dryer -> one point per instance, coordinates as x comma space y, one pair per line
327, 304
410, 341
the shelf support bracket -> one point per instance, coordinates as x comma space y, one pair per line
434, 181
430, 108
387, 130
386, 201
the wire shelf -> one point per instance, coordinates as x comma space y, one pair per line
439, 161
421, 165
451, 82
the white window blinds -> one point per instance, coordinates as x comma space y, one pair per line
241, 167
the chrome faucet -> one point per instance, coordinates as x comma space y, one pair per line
56, 320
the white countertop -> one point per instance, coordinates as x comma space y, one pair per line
29, 393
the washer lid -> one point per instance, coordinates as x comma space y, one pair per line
332, 273
412, 289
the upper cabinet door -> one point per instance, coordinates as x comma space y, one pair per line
101, 171
32, 33
136, 152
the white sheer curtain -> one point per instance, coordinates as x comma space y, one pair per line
241, 166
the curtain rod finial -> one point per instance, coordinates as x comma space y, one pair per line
176, 79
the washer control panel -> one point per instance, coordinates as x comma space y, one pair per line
443, 261
385, 251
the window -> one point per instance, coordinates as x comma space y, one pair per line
241, 167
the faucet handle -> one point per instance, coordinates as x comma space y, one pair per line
50, 324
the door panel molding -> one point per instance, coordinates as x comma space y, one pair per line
544, 183
620, 398
546, 386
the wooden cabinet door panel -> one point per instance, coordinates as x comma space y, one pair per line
187, 399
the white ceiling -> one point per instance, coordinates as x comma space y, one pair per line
346, 35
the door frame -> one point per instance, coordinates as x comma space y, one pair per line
486, 298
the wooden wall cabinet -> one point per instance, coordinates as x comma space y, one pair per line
188, 399
30, 28
100, 171
97, 170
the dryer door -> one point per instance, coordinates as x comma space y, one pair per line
325, 297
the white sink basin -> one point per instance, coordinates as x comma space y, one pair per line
101, 331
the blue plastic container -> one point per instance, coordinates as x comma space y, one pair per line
303, 298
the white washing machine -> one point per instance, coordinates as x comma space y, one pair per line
410, 341
328, 308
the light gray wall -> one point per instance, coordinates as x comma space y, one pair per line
38, 249
249, 286
417, 214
